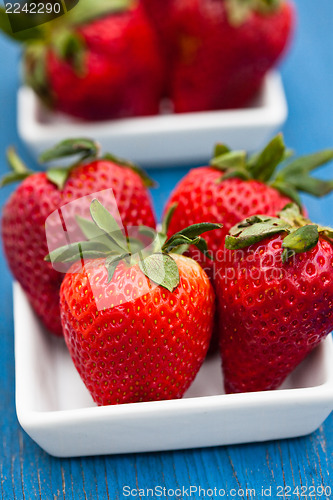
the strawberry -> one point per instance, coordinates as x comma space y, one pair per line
224, 48
40, 194
236, 186
137, 323
275, 290
106, 51
160, 15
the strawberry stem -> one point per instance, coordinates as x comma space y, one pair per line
167, 219
19, 171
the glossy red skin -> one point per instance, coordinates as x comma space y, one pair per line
23, 226
147, 346
219, 66
271, 314
123, 75
200, 198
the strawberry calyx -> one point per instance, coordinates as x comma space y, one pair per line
293, 177
238, 11
84, 149
300, 234
88, 150
106, 239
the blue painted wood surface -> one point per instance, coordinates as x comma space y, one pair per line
28, 473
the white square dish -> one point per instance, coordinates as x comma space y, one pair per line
56, 410
167, 139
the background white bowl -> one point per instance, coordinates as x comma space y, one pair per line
163, 140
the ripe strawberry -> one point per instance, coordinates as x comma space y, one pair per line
234, 187
107, 52
160, 15
275, 290
224, 49
40, 194
137, 325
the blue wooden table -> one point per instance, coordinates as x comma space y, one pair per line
27, 472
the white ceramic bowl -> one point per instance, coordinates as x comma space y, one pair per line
167, 139
56, 410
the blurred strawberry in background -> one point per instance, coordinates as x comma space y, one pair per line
159, 12
223, 49
109, 59
100, 60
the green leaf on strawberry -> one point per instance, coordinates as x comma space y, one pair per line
111, 263
292, 178
107, 223
161, 269
86, 150
300, 235
229, 159
19, 171
296, 175
77, 251
263, 166
58, 176
253, 230
300, 240
154, 261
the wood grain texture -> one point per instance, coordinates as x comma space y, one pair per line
27, 473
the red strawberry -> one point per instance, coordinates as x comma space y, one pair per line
137, 326
106, 53
25, 213
224, 49
275, 291
161, 20
234, 187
